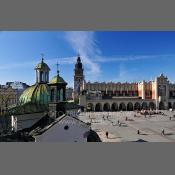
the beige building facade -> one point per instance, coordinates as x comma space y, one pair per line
112, 96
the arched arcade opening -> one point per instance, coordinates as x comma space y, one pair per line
122, 107
114, 107
144, 105
98, 107
129, 106
137, 106
152, 106
161, 106
106, 107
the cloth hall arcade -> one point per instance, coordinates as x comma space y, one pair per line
112, 96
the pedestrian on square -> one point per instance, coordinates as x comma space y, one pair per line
126, 118
107, 134
170, 118
138, 132
118, 121
163, 132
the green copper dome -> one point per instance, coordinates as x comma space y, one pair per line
42, 65
36, 94
57, 79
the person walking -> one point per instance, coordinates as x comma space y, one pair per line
138, 131
163, 132
107, 134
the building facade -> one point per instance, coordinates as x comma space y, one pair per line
10, 93
8, 97
69, 93
18, 86
111, 96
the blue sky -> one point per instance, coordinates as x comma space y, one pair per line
107, 56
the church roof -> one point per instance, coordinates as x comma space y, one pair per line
26, 108
57, 79
39, 131
38, 93
42, 65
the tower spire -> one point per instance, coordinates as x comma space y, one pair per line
78, 57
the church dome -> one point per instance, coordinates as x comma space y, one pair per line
42, 66
36, 94
57, 79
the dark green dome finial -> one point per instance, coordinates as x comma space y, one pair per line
58, 69
42, 65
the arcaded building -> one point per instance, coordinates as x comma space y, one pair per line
117, 96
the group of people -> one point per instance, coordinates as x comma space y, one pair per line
126, 119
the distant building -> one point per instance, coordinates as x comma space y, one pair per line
69, 93
8, 97
9, 94
18, 86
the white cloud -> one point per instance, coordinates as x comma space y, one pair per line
127, 75
50, 62
85, 44
103, 59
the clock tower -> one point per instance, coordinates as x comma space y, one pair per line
78, 77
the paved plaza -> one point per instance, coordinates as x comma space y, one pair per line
122, 130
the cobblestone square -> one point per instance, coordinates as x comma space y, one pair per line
124, 126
